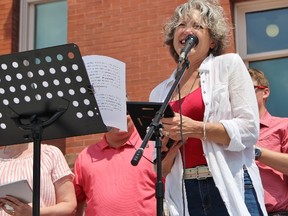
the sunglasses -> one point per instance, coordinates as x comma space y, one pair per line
259, 87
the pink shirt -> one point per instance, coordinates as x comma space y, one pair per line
274, 136
53, 167
110, 185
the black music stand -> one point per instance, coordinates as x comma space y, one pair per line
46, 89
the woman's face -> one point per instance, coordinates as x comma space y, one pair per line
193, 26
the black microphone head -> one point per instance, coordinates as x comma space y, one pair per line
190, 42
192, 39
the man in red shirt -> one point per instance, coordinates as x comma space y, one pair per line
271, 150
107, 182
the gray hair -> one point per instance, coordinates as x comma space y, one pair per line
212, 17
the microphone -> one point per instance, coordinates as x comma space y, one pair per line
190, 42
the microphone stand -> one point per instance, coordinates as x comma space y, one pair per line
155, 127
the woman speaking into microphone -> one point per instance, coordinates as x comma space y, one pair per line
210, 168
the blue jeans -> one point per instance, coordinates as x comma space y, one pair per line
250, 197
204, 198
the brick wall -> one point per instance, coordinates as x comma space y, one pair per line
128, 30
9, 19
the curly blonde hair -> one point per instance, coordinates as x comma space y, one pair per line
212, 17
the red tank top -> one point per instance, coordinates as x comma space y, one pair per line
193, 107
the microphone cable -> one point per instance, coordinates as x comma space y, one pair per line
182, 150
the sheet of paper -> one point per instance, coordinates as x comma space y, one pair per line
19, 189
108, 77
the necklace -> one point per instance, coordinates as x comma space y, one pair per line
197, 76
178, 96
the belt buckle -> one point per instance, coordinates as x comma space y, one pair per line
198, 175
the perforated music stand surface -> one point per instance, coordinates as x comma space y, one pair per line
42, 82
46, 88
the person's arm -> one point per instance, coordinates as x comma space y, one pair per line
78, 185
65, 199
276, 160
191, 128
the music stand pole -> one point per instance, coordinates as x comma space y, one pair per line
155, 127
36, 173
36, 126
37, 137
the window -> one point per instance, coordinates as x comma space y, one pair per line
266, 30
262, 42
43, 23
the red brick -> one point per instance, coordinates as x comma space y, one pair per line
128, 30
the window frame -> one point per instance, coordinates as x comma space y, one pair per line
240, 28
27, 23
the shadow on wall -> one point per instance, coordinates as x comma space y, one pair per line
70, 158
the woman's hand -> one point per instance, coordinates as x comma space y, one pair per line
190, 128
13, 206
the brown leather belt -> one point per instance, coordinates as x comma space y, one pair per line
198, 172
